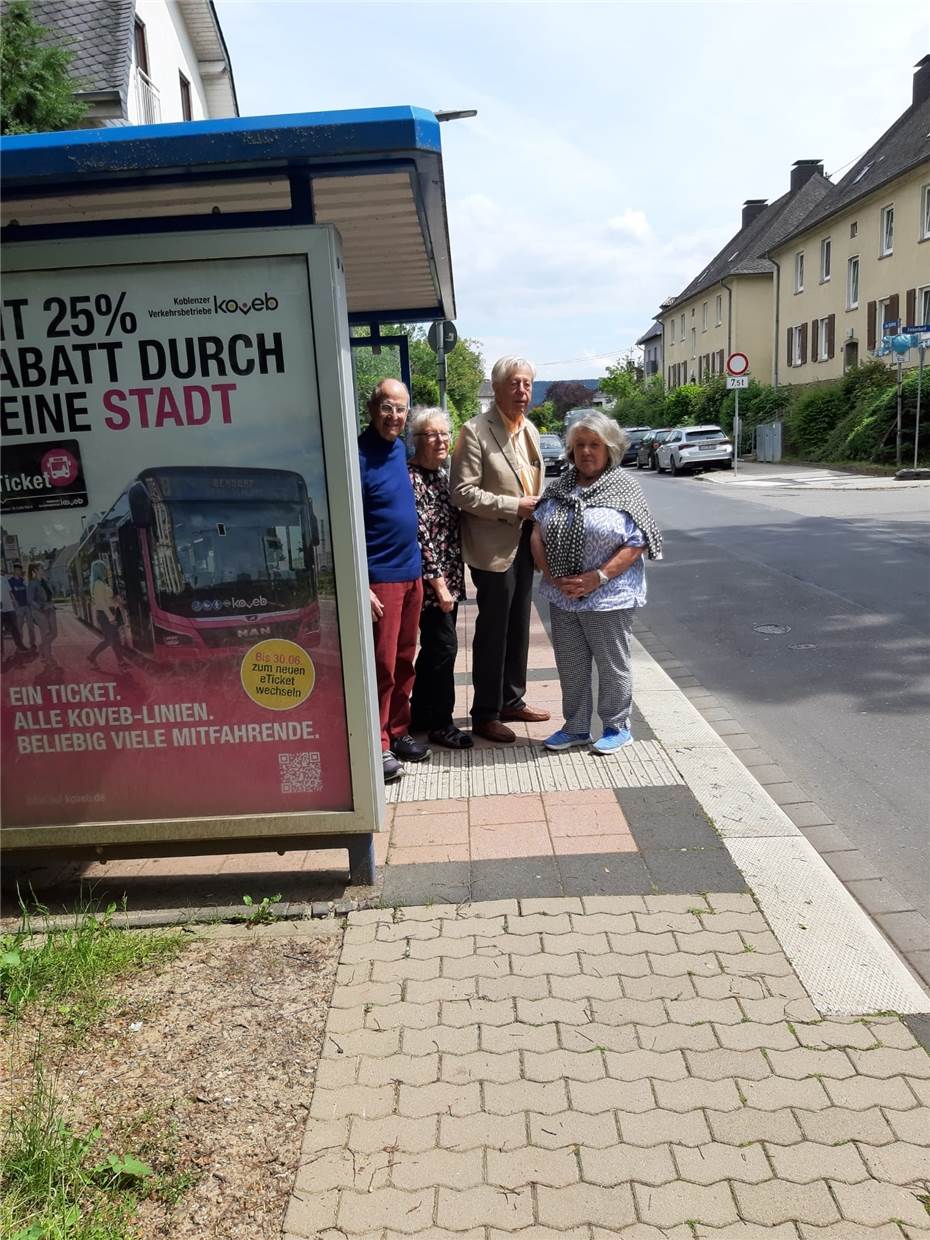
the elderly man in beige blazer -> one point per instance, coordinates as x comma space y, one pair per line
495, 480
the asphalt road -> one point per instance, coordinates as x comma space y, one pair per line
841, 700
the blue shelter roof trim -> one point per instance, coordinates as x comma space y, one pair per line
301, 139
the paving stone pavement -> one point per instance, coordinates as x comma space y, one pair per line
645, 1067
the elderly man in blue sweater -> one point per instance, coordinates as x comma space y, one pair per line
394, 569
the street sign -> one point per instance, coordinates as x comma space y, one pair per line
737, 381
449, 336
737, 364
917, 327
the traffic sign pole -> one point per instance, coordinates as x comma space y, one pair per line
736, 431
738, 371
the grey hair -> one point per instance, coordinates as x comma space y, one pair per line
422, 415
614, 437
374, 400
504, 367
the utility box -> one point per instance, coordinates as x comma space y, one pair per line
186, 672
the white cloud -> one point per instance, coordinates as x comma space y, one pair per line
630, 224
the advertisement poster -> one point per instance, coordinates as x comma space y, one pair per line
170, 640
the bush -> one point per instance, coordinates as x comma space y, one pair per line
814, 415
681, 405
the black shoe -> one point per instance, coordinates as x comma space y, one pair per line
409, 750
451, 737
392, 768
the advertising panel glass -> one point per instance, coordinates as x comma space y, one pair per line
170, 636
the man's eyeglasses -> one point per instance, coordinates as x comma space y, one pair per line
388, 406
434, 436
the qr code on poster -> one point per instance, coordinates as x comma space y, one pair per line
300, 772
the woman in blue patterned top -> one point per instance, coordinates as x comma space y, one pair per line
592, 527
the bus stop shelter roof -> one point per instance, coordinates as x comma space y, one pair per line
375, 173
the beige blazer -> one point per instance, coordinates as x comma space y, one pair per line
484, 482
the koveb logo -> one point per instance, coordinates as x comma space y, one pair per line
229, 305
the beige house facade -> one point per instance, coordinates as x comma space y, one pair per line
859, 267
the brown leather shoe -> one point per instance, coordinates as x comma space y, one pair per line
494, 730
526, 714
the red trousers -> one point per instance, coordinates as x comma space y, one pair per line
395, 646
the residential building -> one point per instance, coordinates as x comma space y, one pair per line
858, 265
143, 62
729, 306
485, 396
651, 344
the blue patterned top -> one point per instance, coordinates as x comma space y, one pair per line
605, 531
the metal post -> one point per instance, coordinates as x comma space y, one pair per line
897, 455
441, 359
736, 431
921, 350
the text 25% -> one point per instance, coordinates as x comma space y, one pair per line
85, 315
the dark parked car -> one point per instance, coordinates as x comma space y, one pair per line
635, 435
646, 454
553, 454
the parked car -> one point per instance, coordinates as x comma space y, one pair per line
635, 435
646, 455
553, 454
694, 447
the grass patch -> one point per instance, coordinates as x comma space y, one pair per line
67, 969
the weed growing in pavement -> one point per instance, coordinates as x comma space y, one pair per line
65, 969
263, 913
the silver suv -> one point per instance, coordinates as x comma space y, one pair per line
694, 447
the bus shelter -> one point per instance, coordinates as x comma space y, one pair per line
187, 661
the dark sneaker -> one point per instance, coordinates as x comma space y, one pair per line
392, 768
409, 750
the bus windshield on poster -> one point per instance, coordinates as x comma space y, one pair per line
173, 649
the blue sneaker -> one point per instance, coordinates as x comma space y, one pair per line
567, 740
612, 740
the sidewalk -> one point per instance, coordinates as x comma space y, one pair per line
761, 474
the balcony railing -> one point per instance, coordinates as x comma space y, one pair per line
147, 100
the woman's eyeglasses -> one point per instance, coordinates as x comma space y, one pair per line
434, 436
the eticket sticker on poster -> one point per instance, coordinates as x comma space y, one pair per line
170, 638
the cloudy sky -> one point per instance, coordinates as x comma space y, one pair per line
614, 143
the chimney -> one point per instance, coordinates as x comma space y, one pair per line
751, 208
921, 82
803, 170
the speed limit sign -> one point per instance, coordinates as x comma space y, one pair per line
737, 364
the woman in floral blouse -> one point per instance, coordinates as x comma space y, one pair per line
433, 698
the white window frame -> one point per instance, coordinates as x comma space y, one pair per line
826, 259
719, 309
795, 356
823, 326
881, 309
799, 272
682, 326
923, 304
925, 213
853, 228
850, 304
886, 231
693, 343
704, 317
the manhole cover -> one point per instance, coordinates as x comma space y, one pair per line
803, 646
772, 629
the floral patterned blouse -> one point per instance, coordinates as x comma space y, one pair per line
438, 531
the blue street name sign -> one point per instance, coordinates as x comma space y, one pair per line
917, 327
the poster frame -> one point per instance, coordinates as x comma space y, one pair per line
319, 247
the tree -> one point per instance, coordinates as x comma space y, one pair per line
36, 87
567, 394
545, 418
622, 379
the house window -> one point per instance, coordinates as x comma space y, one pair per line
719, 309
794, 347
925, 214
694, 342
141, 46
886, 240
823, 340
682, 325
854, 229
826, 259
852, 283
704, 317
923, 304
187, 111
881, 311
799, 272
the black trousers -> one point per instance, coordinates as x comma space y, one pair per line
433, 699
502, 634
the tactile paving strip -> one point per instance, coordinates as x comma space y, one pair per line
531, 768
